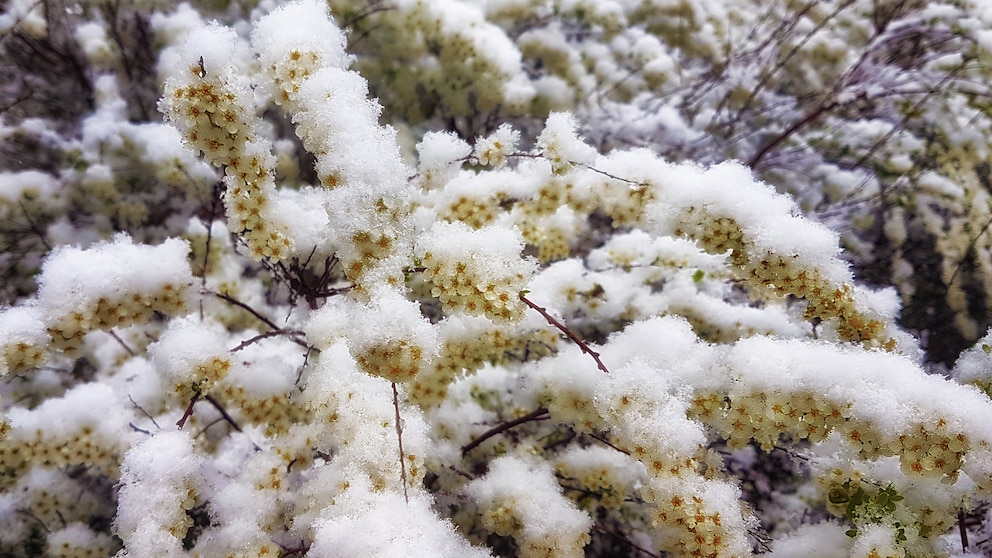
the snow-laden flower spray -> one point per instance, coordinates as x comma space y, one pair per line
517, 346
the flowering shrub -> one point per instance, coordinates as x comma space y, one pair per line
523, 302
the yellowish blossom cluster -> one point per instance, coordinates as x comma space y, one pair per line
23, 337
493, 150
211, 104
85, 436
610, 475
275, 413
539, 518
479, 273
478, 341
764, 417
701, 516
474, 212
369, 249
291, 71
67, 331
400, 361
81, 447
546, 221
698, 525
98, 288
784, 275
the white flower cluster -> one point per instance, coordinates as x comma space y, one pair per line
211, 103
560, 145
156, 493
469, 342
446, 50
477, 272
96, 288
534, 345
387, 337
493, 149
357, 159
192, 357
699, 516
540, 519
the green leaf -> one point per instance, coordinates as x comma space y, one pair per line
851, 533
837, 496
698, 275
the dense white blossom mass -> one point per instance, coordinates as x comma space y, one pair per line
459, 278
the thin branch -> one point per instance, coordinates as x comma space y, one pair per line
276, 330
244, 307
223, 412
117, 338
568, 333
613, 176
537, 414
34, 227
624, 540
969, 249
461, 473
136, 429
399, 438
189, 411
28, 513
210, 233
963, 530
266, 335
143, 411
814, 115
603, 440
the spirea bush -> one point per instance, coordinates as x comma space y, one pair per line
504, 278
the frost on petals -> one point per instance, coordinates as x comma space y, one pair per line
477, 272
493, 149
539, 518
560, 144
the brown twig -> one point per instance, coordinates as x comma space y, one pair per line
812, 116
276, 330
136, 429
603, 440
963, 530
223, 412
245, 307
399, 438
143, 411
568, 333
189, 411
120, 341
537, 414
266, 335
34, 227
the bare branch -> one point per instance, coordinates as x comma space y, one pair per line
568, 333
223, 412
245, 307
189, 411
537, 414
399, 438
